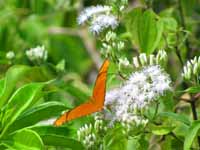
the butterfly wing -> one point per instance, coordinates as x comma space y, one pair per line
79, 111
94, 104
100, 85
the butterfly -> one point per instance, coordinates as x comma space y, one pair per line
94, 104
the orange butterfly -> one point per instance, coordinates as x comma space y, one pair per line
95, 103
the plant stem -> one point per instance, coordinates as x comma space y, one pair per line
187, 43
156, 111
194, 113
179, 56
174, 135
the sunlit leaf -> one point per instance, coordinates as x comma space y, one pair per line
24, 140
43, 130
62, 141
161, 130
176, 117
192, 133
11, 78
194, 89
146, 29
23, 98
115, 140
38, 113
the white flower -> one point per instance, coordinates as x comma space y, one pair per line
110, 36
139, 90
136, 62
89, 12
10, 55
88, 134
161, 57
37, 53
102, 22
123, 62
144, 60
192, 69
99, 18
120, 45
111, 96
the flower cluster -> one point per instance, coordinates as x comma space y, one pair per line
37, 53
192, 69
10, 55
144, 60
139, 90
102, 22
86, 136
99, 17
87, 13
90, 135
111, 43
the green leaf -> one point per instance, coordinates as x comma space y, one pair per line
149, 32
1, 85
192, 133
176, 117
61, 65
194, 89
161, 130
58, 136
189, 6
24, 140
65, 44
170, 24
132, 19
62, 141
11, 78
181, 130
133, 144
137, 143
115, 140
52, 130
146, 29
19, 102
37, 113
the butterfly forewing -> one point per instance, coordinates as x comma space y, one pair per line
94, 104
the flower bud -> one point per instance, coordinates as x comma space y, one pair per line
151, 59
143, 59
195, 69
120, 45
10, 55
194, 60
161, 57
136, 62
198, 61
123, 62
110, 36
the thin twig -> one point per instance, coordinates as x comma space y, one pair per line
179, 56
187, 43
174, 135
122, 76
194, 112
